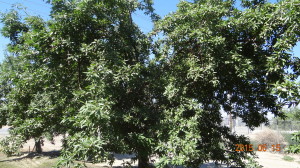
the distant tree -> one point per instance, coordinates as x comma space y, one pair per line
293, 114
290, 121
87, 73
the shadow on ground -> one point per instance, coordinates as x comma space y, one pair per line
50, 155
54, 154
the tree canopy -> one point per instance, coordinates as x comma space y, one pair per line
91, 74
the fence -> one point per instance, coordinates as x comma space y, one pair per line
240, 128
281, 125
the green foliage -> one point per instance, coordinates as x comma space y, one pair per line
290, 122
13, 27
288, 158
288, 138
252, 163
67, 75
293, 114
295, 148
87, 73
11, 145
222, 58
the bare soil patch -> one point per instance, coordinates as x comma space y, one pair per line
274, 160
49, 159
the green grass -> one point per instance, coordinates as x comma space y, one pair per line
288, 158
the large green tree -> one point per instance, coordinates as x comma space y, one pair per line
87, 73
48, 79
219, 57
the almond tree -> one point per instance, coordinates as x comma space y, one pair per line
87, 73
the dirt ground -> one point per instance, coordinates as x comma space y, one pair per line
266, 159
274, 160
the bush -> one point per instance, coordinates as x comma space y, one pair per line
11, 145
269, 137
252, 163
296, 147
288, 139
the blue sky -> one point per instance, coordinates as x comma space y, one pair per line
39, 7
33, 7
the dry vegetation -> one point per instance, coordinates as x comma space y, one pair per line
268, 137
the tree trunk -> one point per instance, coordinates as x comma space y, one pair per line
143, 162
38, 146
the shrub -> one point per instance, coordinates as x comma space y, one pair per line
288, 139
252, 163
296, 147
269, 137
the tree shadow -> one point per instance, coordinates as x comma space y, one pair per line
25, 155
123, 156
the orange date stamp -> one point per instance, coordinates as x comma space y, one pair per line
260, 147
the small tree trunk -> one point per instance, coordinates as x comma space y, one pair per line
38, 146
143, 162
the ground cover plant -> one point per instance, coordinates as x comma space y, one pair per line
90, 74
288, 158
